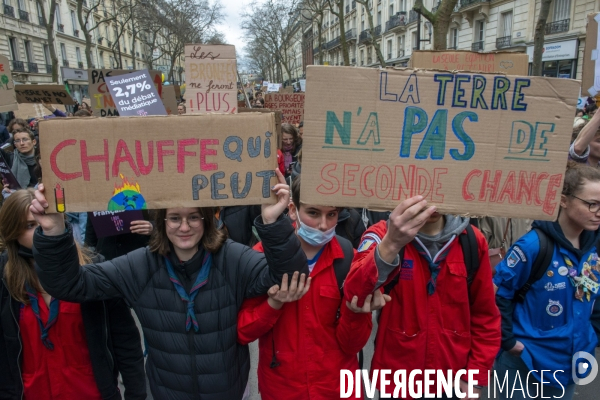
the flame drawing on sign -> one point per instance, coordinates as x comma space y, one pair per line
127, 196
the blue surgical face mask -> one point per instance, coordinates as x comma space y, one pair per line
314, 236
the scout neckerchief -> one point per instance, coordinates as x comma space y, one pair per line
52, 317
434, 265
189, 298
585, 283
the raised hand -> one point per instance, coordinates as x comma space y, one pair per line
286, 294
52, 224
403, 225
270, 212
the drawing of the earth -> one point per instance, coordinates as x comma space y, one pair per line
127, 200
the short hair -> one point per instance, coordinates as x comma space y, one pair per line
182, 105
16, 121
82, 113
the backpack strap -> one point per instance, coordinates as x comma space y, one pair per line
539, 266
470, 249
341, 266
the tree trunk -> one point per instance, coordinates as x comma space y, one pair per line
320, 39
538, 38
86, 34
50, 33
440, 21
340, 15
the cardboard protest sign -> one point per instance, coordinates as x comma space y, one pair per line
7, 176
52, 93
35, 110
169, 99
134, 94
472, 144
211, 79
102, 102
8, 100
500, 62
95, 164
290, 105
590, 78
113, 223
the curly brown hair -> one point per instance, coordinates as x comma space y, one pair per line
577, 175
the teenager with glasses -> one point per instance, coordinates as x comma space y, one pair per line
24, 161
553, 321
186, 288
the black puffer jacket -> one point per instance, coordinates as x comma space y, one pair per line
208, 364
113, 342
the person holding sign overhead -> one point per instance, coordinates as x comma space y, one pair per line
442, 315
186, 288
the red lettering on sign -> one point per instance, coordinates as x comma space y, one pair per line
182, 153
86, 160
349, 177
162, 153
204, 151
144, 169
122, 148
331, 184
63, 176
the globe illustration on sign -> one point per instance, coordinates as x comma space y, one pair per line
127, 196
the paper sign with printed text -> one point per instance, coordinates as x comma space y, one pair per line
134, 94
471, 144
96, 164
101, 101
211, 79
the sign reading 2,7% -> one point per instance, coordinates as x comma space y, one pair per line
131, 89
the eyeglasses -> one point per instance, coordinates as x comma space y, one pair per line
593, 207
175, 221
25, 140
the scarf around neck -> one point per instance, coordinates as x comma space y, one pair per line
20, 168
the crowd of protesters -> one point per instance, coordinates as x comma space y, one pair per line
507, 295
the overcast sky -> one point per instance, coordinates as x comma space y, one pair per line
231, 23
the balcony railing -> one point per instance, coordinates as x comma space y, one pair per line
42, 21
18, 66
80, 64
99, 40
451, 48
503, 42
395, 21
558, 26
347, 8
468, 3
351, 34
32, 67
65, 63
48, 68
365, 36
377, 30
412, 16
477, 46
109, 43
315, 50
61, 28
23, 15
9, 10
353, 61
76, 32
333, 43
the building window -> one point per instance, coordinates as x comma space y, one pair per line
362, 23
28, 51
78, 54
379, 14
101, 60
57, 16
63, 53
391, 8
480, 30
561, 10
22, 5
454, 38
47, 57
401, 46
362, 57
414, 40
506, 27
403, 5
14, 48
389, 49
112, 61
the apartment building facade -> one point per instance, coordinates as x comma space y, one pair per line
477, 25
24, 40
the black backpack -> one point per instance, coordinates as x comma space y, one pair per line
470, 249
540, 265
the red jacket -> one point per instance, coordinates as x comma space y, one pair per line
308, 341
451, 329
